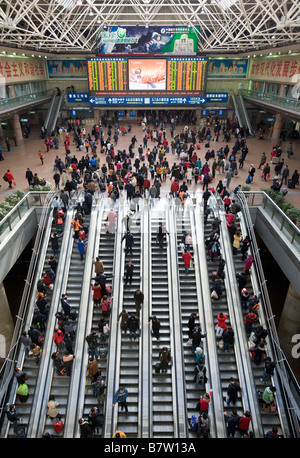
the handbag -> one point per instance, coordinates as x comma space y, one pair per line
214, 295
191, 264
5, 178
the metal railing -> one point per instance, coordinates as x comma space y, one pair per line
31, 199
9, 363
291, 402
12, 102
279, 218
272, 99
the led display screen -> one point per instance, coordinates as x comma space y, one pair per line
170, 76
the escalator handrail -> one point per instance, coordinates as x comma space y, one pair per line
176, 332
217, 425
249, 396
114, 350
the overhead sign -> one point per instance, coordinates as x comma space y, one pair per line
217, 97
227, 68
74, 97
147, 100
153, 40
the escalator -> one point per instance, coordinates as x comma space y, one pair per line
189, 305
105, 251
162, 396
268, 419
53, 113
241, 112
72, 284
30, 365
227, 361
129, 368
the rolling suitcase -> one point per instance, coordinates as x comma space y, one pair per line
102, 351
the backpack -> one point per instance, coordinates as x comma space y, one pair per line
194, 423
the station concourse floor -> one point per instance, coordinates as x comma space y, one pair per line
25, 154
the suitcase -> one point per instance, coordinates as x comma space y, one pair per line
102, 352
290, 184
157, 368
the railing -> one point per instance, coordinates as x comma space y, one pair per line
286, 380
279, 218
8, 365
273, 99
32, 199
6, 104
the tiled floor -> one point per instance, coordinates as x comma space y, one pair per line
26, 155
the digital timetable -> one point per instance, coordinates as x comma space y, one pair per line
182, 76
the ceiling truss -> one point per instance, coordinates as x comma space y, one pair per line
223, 26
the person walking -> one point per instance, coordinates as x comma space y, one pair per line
165, 359
285, 175
9, 178
92, 341
129, 242
268, 370
52, 407
120, 397
244, 423
232, 422
133, 325
12, 415
138, 299
129, 272
187, 258
232, 391
29, 176
156, 325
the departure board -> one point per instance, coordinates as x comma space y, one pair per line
170, 76
107, 75
187, 75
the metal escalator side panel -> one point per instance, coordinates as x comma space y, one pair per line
79, 363
178, 379
218, 429
44, 382
114, 352
145, 372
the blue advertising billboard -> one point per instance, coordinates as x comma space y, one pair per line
152, 40
60, 68
227, 68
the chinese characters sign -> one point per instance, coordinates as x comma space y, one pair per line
281, 69
227, 68
14, 70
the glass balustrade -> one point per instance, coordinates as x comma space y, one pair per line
12, 102
271, 98
286, 226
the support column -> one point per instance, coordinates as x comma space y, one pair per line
6, 324
17, 127
277, 126
289, 325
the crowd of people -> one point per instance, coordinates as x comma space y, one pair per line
141, 171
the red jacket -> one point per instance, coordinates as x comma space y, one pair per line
58, 336
174, 186
244, 423
9, 176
